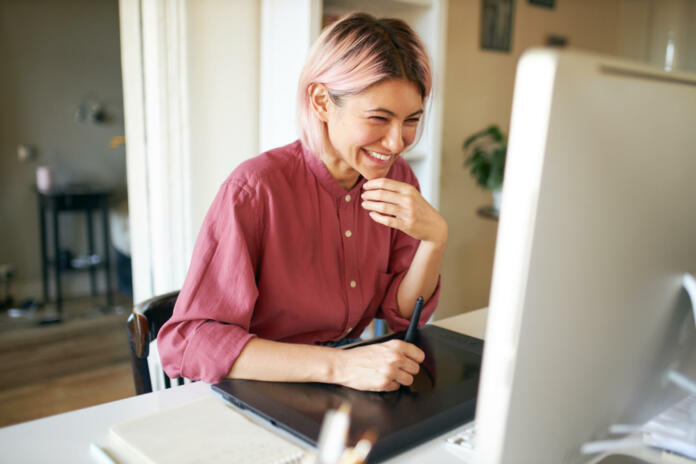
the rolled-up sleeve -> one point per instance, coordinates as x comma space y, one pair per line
211, 319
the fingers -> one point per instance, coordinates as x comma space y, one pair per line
404, 372
391, 386
383, 208
383, 366
387, 184
392, 209
408, 349
397, 205
410, 367
386, 196
404, 362
406, 196
403, 378
401, 206
388, 221
395, 377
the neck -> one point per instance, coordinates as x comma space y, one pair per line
346, 176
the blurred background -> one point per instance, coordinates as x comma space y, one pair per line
199, 87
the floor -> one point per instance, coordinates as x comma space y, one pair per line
80, 362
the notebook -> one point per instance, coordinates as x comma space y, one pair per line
205, 430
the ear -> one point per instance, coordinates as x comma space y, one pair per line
320, 100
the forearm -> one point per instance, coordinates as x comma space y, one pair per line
421, 277
263, 359
401, 206
377, 367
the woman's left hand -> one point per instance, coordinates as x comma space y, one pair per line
401, 206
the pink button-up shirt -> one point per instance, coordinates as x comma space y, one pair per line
285, 253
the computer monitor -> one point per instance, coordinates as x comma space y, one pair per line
598, 226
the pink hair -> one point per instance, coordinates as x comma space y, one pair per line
353, 54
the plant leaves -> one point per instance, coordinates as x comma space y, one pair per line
487, 151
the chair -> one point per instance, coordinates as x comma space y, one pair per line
144, 324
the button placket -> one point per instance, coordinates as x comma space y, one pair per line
347, 218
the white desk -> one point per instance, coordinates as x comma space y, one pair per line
66, 437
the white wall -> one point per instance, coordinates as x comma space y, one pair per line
650, 27
190, 95
223, 42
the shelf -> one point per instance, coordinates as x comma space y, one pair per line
488, 212
86, 267
76, 269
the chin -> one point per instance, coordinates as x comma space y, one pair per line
370, 169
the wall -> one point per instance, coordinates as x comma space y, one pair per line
54, 55
191, 73
648, 26
223, 74
479, 86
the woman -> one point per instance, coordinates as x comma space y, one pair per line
305, 244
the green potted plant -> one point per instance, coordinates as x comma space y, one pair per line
485, 152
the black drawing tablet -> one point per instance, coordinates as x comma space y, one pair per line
442, 396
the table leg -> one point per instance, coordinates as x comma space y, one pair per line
90, 245
56, 262
107, 253
44, 258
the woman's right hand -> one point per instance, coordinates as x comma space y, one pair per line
378, 367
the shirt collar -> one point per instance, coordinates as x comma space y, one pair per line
325, 178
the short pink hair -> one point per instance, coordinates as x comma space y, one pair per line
353, 54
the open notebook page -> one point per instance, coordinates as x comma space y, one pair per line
205, 430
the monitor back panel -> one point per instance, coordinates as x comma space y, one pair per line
596, 231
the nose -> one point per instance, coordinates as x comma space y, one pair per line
394, 139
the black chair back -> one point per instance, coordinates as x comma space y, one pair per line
143, 326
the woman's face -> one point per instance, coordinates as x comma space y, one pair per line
368, 131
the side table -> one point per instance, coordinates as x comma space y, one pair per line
87, 199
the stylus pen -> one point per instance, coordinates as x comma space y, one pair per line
413, 325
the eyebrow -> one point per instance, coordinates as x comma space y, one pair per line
391, 113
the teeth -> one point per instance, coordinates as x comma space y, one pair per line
379, 156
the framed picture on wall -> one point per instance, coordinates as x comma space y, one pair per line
544, 3
496, 24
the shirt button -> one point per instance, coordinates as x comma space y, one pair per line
353, 284
348, 233
347, 197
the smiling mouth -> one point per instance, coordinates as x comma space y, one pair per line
378, 156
